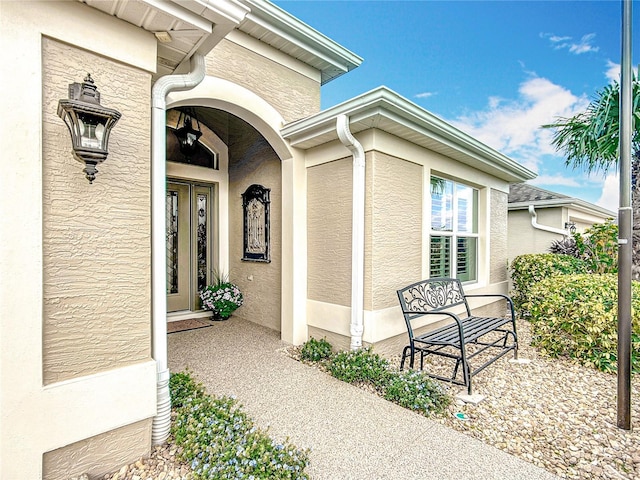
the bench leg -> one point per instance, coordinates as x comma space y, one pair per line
404, 357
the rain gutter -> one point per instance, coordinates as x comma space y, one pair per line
163, 86
357, 231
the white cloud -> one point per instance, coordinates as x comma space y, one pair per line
609, 198
425, 95
555, 179
584, 45
613, 71
513, 126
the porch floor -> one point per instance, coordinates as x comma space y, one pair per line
352, 434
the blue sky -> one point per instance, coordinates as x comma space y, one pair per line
495, 69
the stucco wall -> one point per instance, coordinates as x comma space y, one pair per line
329, 205
96, 456
293, 94
523, 238
498, 236
96, 244
60, 247
393, 228
253, 161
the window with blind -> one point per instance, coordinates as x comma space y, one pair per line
454, 230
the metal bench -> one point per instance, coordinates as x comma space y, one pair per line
492, 336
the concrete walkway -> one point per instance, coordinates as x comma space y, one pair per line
352, 434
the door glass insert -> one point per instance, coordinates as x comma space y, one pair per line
202, 240
172, 241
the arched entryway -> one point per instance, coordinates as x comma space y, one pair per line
248, 151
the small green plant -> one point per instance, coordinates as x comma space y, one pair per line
315, 350
529, 269
220, 441
360, 365
415, 390
181, 387
576, 316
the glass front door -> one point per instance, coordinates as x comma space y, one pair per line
189, 237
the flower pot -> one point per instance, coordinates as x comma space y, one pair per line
218, 318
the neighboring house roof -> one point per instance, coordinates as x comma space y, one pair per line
521, 195
388, 111
187, 27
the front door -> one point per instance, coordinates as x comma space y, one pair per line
189, 243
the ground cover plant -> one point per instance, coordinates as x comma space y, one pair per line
316, 350
410, 389
220, 441
576, 316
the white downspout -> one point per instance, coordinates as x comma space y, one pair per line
162, 87
535, 224
357, 229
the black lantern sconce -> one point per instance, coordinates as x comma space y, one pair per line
89, 123
185, 133
571, 226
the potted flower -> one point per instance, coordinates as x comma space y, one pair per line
222, 297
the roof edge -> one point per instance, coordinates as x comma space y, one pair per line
413, 116
292, 29
563, 202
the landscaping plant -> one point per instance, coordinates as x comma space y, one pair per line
315, 350
360, 365
220, 441
576, 316
410, 389
415, 390
529, 269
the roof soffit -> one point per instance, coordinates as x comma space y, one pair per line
199, 25
194, 25
386, 110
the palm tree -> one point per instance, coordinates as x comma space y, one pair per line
590, 141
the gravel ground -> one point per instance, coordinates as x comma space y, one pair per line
553, 413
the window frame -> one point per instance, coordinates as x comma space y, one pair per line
455, 233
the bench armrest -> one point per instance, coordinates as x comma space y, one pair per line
500, 295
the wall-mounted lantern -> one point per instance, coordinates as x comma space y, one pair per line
571, 226
89, 124
187, 135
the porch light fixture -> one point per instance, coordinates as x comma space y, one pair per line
186, 134
89, 124
571, 226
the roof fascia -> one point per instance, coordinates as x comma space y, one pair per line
383, 102
293, 30
569, 202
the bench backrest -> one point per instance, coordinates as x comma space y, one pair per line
432, 295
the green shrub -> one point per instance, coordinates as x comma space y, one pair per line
598, 246
220, 441
529, 269
360, 365
576, 316
315, 350
415, 390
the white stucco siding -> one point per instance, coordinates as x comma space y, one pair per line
36, 418
397, 232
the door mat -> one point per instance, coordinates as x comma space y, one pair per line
184, 325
